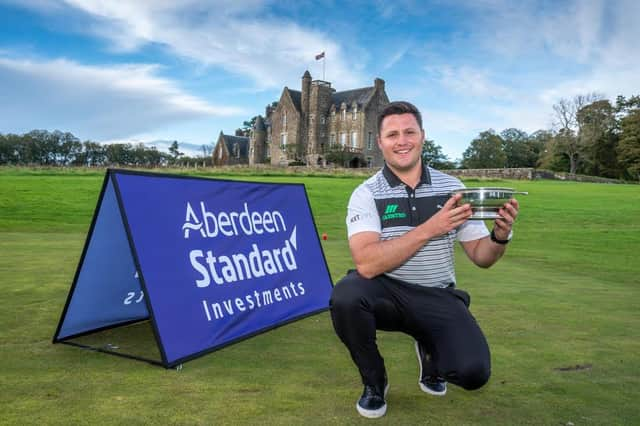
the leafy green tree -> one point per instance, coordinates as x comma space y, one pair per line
246, 128
520, 150
432, 155
37, 148
9, 145
68, 149
624, 106
485, 152
629, 145
549, 157
174, 152
598, 139
119, 154
537, 142
94, 154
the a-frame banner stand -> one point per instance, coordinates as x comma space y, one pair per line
208, 262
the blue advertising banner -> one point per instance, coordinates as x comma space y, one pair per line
217, 260
106, 291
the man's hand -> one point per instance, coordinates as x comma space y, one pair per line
449, 217
508, 213
373, 256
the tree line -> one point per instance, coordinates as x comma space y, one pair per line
41, 147
590, 136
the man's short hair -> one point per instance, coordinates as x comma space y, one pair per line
399, 107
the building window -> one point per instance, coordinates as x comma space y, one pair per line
283, 139
370, 141
236, 150
220, 153
322, 121
284, 120
332, 139
343, 139
355, 113
344, 114
354, 139
369, 162
333, 115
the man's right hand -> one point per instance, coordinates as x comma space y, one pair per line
449, 217
373, 256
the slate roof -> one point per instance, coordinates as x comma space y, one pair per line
296, 97
242, 141
360, 96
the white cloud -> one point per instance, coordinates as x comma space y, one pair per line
468, 81
402, 9
583, 35
397, 55
517, 59
571, 29
451, 121
239, 37
97, 101
615, 67
452, 130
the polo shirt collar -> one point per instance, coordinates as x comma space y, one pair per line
393, 180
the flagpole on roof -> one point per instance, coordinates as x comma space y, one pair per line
322, 56
324, 60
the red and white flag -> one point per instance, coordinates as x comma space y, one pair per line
320, 56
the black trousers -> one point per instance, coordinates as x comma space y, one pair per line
438, 318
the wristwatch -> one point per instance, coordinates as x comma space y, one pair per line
497, 241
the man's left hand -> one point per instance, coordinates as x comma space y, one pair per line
508, 213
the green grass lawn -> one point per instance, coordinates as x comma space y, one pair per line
560, 311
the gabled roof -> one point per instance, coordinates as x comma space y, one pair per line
296, 97
242, 141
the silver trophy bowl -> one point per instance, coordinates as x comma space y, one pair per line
485, 202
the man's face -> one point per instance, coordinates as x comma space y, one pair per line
400, 141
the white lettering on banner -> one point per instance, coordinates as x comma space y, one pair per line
256, 263
213, 264
233, 223
133, 298
255, 300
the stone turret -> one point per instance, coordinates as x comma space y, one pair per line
319, 105
257, 142
306, 92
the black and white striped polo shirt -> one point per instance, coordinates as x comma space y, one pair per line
384, 204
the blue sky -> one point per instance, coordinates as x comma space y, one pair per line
149, 70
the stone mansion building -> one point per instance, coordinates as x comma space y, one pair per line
314, 126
